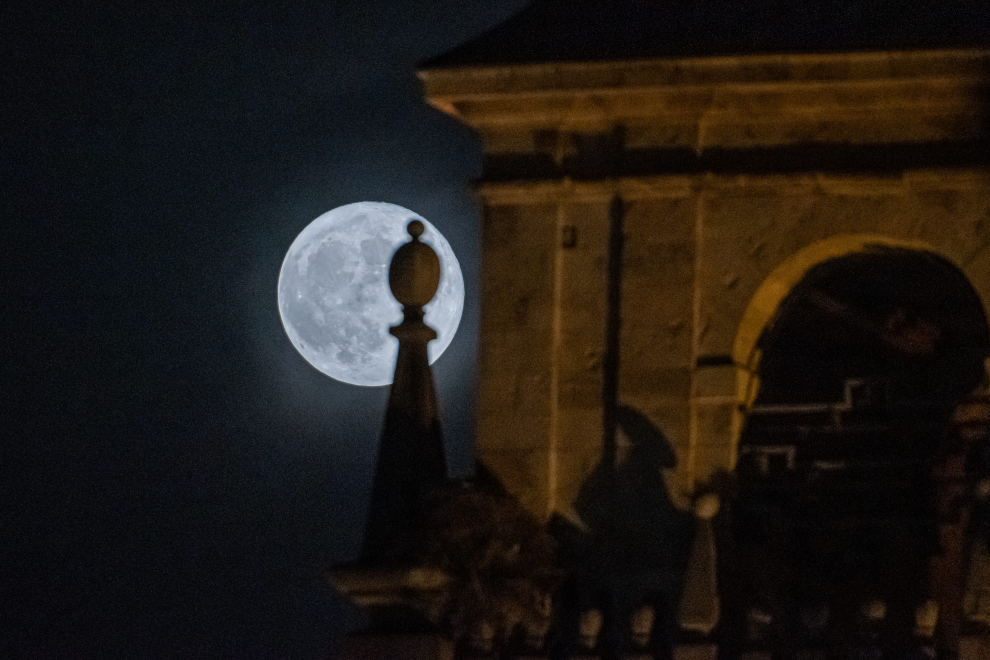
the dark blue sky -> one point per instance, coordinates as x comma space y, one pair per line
175, 477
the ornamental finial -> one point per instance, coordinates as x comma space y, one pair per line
414, 274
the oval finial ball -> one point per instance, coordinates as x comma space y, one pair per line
414, 274
706, 507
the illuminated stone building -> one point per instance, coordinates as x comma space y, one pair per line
740, 249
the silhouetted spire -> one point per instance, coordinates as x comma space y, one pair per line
411, 463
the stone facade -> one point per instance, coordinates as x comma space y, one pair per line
644, 219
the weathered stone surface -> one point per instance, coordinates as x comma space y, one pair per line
713, 448
656, 306
974, 648
739, 101
715, 383
580, 348
707, 253
514, 412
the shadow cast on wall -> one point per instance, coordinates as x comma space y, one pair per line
628, 545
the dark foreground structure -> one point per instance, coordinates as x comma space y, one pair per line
733, 396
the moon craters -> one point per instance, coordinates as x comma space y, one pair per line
333, 293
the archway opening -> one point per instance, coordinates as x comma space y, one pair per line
905, 319
859, 372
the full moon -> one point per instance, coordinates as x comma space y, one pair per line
333, 292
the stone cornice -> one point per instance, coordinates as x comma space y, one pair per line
758, 159
681, 186
802, 90
513, 80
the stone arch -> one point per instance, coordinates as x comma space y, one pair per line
765, 303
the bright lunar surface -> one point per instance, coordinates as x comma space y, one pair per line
334, 298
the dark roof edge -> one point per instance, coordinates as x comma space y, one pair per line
548, 31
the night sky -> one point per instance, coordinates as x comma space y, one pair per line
175, 477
